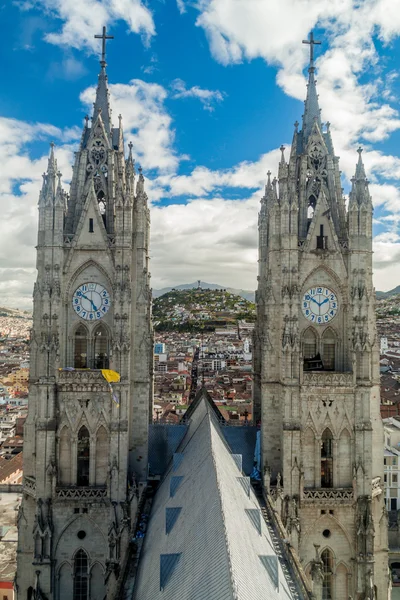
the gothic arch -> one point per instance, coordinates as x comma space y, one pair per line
79, 270
334, 276
78, 522
64, 580
313, 528
83, 456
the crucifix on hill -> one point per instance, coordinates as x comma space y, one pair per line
311, 43
104, 37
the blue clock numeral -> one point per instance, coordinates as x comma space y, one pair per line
83, 313
105, 301
307, 312
98, 314
104, 294
326, 318
319, 320
91, 315
78, 308
308, 297
332, 313
103, 308
76, 301
319, 290
332, 297
333, 304
312, 317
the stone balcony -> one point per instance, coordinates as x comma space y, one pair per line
327, 379
29, 486
82, 380
328, 496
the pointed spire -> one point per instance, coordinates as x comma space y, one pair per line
130, 163
140, 183
311, 108
360, 170
51, 163
120, 134
102, 102
282, 149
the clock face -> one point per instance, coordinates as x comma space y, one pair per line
319, 305
91, 301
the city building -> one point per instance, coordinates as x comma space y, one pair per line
317, 363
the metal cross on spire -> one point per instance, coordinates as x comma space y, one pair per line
104, 37
312, 43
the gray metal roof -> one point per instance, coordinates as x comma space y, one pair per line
208, 539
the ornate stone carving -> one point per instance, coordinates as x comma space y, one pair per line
29, 486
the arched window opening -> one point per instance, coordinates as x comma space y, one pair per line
312, 359
81, 576
309, 458
101, 199
327, 561
83, 457
101, 359
29, 594
81, 348
327, 459
65, 456
101, 456
344, 460
310, 212
329, 350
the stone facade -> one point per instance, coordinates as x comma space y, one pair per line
317, 366
85, 442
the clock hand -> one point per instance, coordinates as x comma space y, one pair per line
91, 301
323, 302
313, 299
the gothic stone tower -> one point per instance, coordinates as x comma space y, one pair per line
85, 448
316, 365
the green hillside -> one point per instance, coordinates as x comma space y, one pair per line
198, 309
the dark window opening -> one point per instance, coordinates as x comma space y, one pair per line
101, 360
329, 350
83, 457
327, 561
91, 230
393, 504
80, 353
81, 576
326, 460
322, 240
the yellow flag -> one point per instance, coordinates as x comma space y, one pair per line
110, 376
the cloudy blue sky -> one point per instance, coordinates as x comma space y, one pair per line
208, 91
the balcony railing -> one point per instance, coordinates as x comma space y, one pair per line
328, 378
82, 380
29, 485
327, 495
81, 493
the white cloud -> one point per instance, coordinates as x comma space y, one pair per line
213, 240
81, 19
208, 98
181, 6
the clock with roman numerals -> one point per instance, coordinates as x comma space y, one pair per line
319, 305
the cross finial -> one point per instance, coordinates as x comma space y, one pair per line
311, 43
104, 37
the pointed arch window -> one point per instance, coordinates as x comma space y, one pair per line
327, 459
81, 576
327, 587
329, 350
83, 457
81, 348
101, 348
312, 359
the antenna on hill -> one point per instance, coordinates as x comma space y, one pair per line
198, 284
